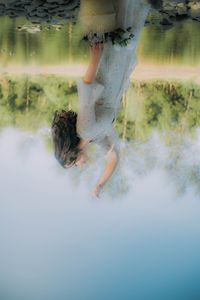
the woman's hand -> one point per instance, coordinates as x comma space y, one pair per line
112, 159
95, 192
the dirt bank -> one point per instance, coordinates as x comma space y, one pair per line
141, 72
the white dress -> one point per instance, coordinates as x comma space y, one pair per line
100, 101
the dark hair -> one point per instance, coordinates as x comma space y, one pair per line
65, 137
156, 3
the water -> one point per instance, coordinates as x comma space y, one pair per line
58, 243
23, 43
179, 45
140, 240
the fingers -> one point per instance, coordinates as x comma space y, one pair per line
95, 193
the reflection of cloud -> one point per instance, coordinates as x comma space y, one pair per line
56, 243
184, 164
180, 160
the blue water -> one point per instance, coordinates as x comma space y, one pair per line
58, 243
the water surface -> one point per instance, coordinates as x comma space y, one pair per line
24, 43
139, 241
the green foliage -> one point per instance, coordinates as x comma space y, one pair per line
1, 93
162, 105
33, 100
30, 102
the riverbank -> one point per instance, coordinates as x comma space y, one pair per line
141, 72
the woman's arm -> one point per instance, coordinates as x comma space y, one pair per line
112, 159
95, 56
89, 92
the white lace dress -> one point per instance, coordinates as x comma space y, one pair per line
100, 101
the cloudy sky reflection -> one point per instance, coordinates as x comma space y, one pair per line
140, 241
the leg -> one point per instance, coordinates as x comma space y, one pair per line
95, 55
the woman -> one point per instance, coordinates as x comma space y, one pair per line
72, 133
106, 79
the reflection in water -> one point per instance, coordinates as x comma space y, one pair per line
24, 43
56, 243
29, 102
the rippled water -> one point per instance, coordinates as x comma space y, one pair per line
58, 243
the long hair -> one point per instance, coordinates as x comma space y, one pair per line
65, 137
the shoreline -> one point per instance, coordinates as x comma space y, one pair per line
142, 71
